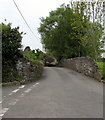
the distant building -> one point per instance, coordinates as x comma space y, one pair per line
27, 48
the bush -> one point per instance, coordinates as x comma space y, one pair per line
101, 66
11, 53
11, 42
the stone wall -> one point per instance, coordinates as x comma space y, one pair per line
85, 65
28, 69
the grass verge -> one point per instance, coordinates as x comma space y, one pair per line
14, 83
101, 66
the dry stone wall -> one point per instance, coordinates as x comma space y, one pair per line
85, 65
29, 69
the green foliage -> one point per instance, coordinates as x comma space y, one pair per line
30, 55
36, 61
101, 66
91, 40
92, 10
11, 42
67, 33
39, 54
34, 55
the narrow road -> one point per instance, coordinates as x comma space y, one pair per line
60, 93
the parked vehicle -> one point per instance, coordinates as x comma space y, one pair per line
50, 61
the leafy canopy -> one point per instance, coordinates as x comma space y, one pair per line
66, 32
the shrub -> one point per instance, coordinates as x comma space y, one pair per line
11, 42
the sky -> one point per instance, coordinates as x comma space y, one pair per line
32, 11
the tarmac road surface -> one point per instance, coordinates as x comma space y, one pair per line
60, 93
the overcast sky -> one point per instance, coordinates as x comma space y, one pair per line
32, 10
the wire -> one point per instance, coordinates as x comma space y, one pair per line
24, 19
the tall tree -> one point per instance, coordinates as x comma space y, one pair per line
93, 11
65, 32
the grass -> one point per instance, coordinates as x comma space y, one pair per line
13, 83
101, 66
